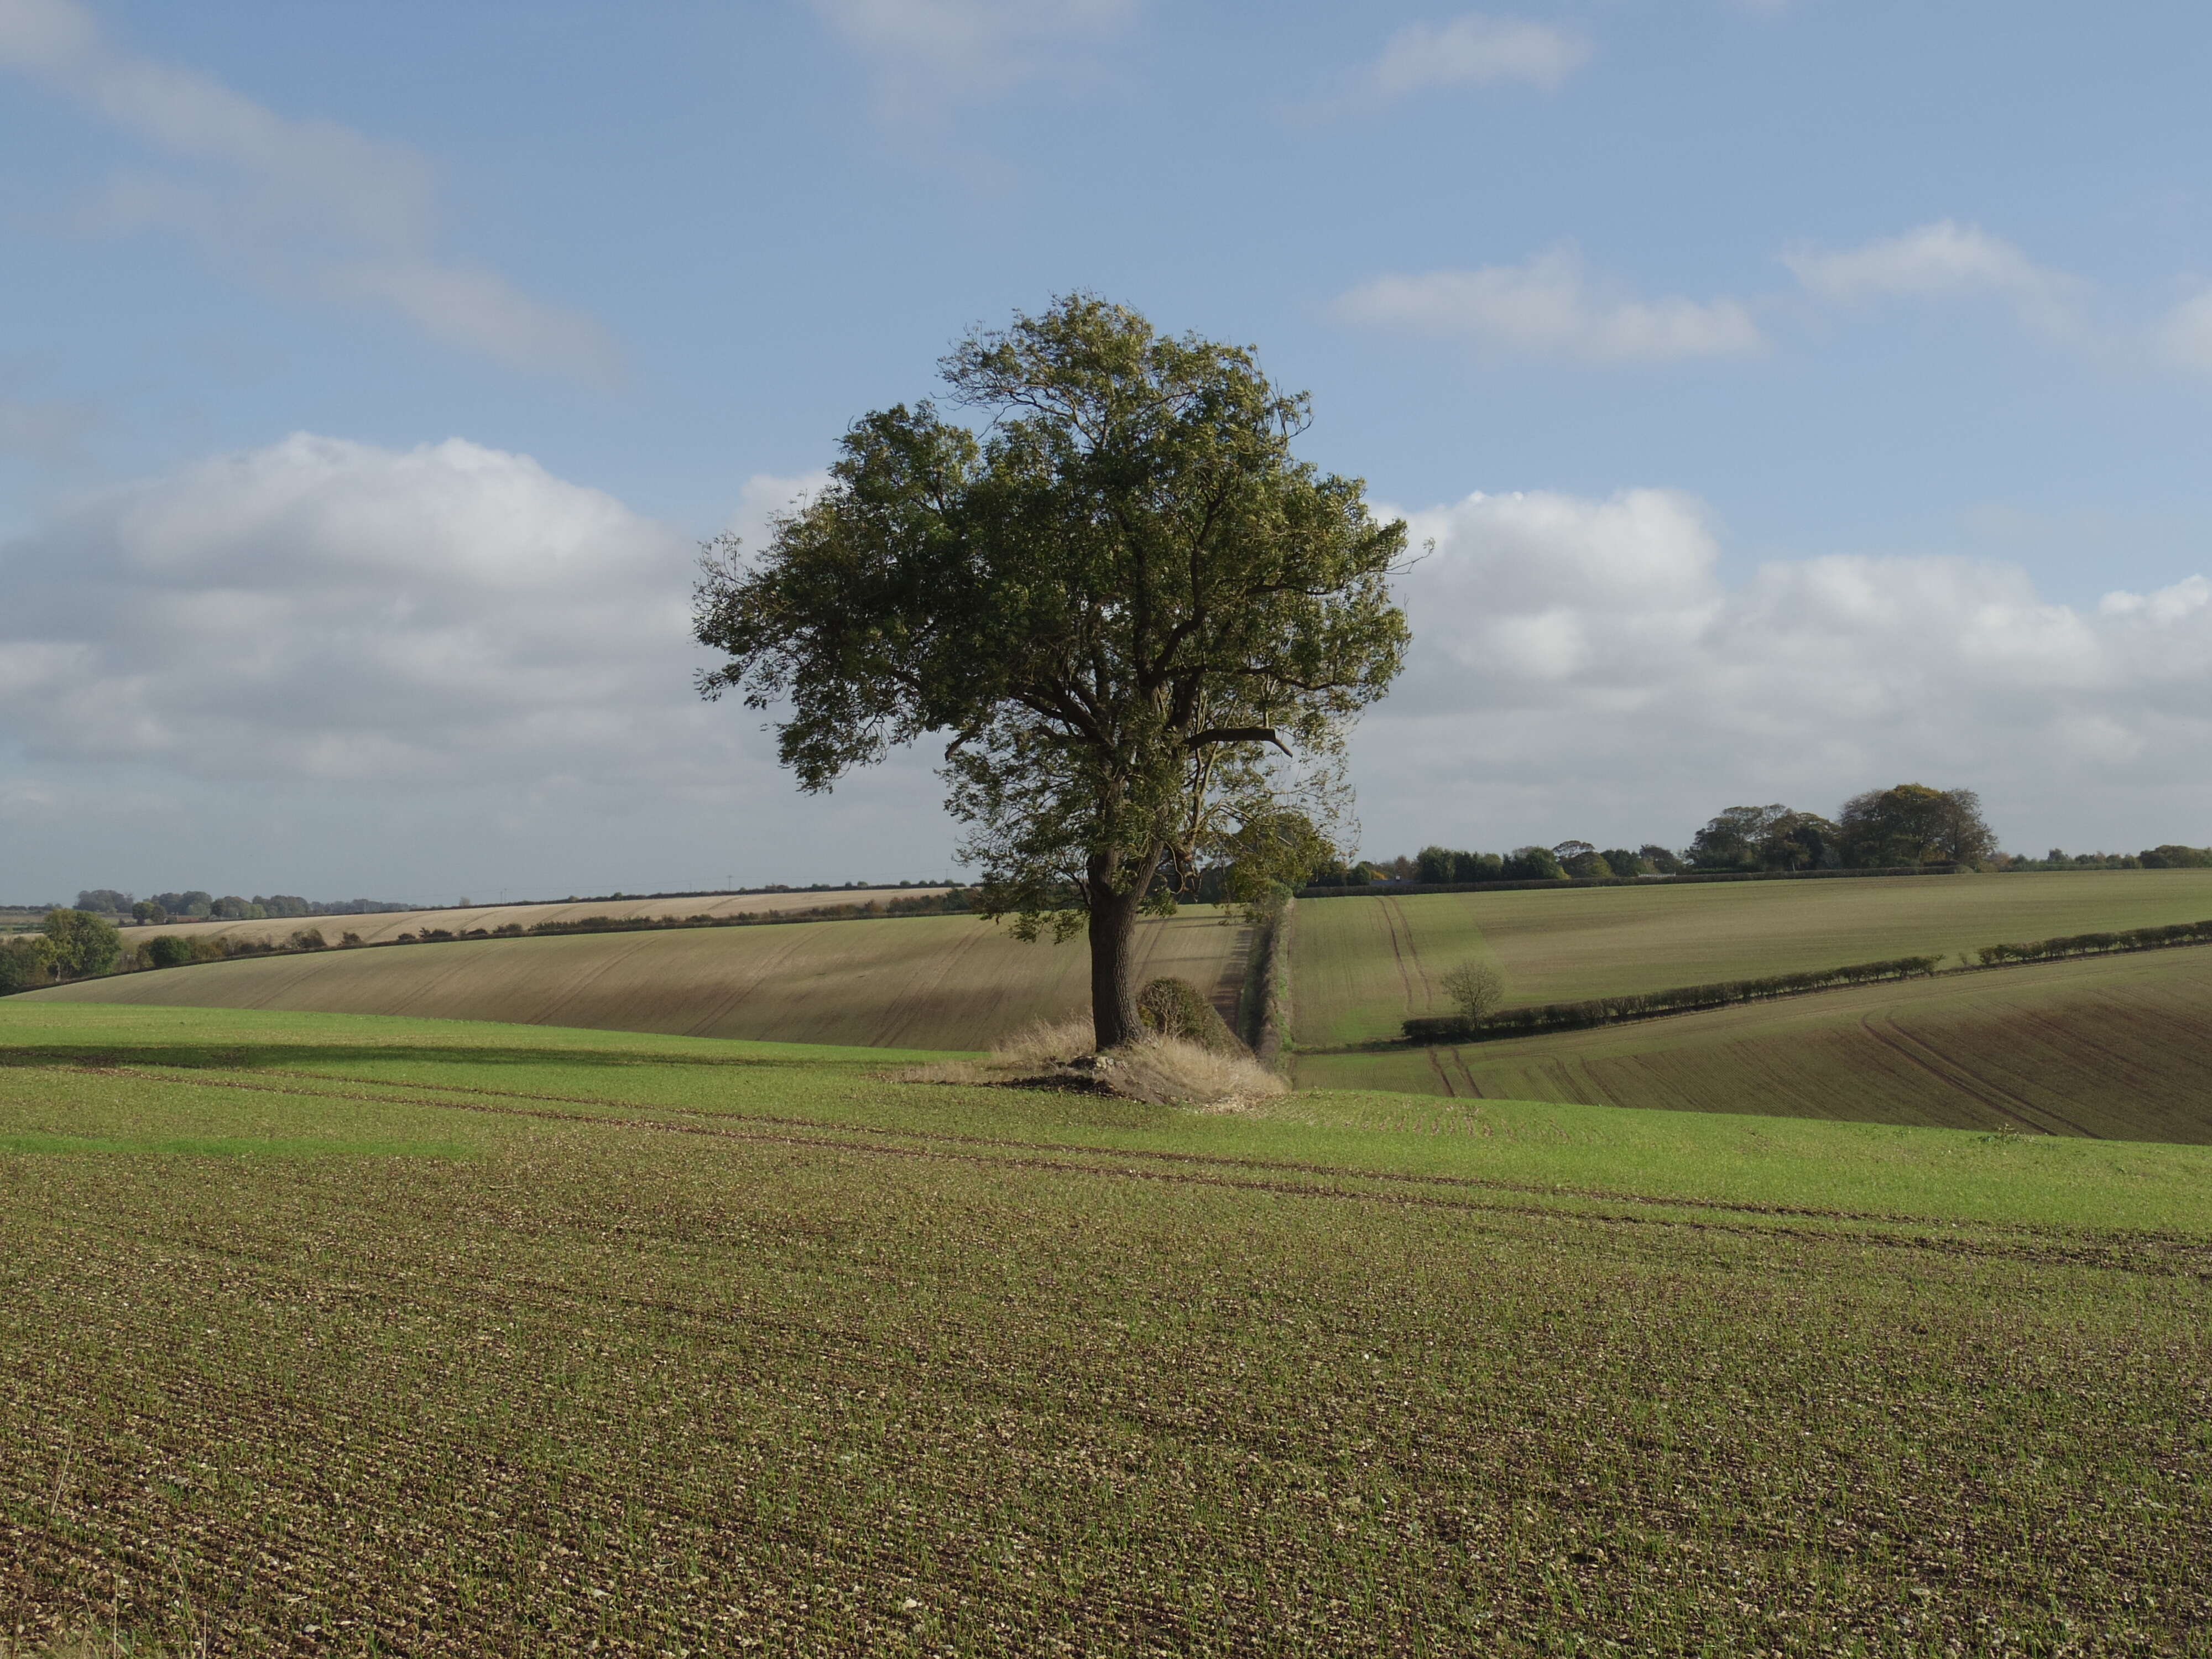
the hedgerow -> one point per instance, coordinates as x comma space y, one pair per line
1684, 998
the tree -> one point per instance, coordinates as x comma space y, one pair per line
1663, 861
1142, 622
1912, 823
103, 900
149, 912
1533, 864
1476, 988
83, 944
26, 961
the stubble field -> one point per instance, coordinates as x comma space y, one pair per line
952, 982
340, 1336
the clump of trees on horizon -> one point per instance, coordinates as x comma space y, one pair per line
196, 904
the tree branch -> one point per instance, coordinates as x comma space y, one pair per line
1236, 734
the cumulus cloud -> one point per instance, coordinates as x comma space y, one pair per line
1943, 259
331, 610
1475, 50
310, 205
1583, 666
1550, 306
928, 54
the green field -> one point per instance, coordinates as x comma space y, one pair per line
2115, 1048
1362, 966
338, 1335
922, 982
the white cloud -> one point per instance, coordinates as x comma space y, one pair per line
1475, 50
331, 610
1941, 260
2185, 336
1583, 666
310, 206
1550, 307
928, 54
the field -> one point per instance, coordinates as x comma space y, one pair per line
2113, 1047
921, 981
1362, 966
379, 925
333, 1336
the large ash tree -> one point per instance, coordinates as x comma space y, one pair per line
1144, 625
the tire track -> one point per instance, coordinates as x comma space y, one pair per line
1917, 1051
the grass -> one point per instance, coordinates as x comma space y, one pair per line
1363, 965
707, 1346
920, 982
2110, 1048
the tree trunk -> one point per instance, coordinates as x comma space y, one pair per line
1113, 940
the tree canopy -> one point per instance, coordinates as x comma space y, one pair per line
1142, 624
1912, 823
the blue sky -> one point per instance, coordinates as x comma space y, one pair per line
1834, 378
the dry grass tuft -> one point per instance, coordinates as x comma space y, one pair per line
1166, 1071
1175, 1071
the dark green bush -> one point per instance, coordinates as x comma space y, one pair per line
1176, 1008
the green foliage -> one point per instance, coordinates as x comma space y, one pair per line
149, 913
1534, 863
1476, 989
1912, 823
170, 950
1661, 861
1773, 838
27, 961
1619, 861
2170, 857
104, 901
1118, 604
84, 944
1176, 1008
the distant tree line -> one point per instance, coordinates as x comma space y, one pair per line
198, 905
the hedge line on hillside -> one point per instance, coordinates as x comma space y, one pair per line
1682, 999
1399, 889
2083, 945
1690, 998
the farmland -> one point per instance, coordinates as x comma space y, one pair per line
924, 982
1362, 966
2114, 1047
331, 1334
376, 927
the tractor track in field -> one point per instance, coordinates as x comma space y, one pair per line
2173, 1255
1998, 1098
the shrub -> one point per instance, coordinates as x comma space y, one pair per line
27, 961
1476, 989
166, 950
1176, 1008
310, 939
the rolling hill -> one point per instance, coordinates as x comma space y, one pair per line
2115, 1048
1363, 965
917, 982
378, 928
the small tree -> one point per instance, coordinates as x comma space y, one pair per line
1476, 989
83, 944
27, 961
1119, 602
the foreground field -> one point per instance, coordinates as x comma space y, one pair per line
2111, 1048
345, 1336
378, 927
921, 981
1363, 965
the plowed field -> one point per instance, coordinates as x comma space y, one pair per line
918, 981
341, 1336
2114, 1048
379, 925
1362, 965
